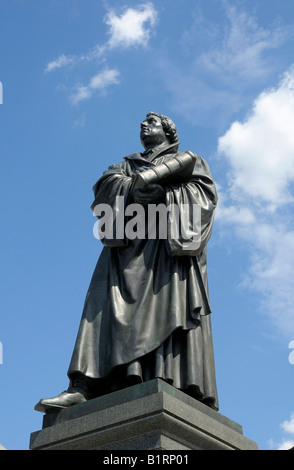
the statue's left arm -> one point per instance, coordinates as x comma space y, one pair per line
192, 205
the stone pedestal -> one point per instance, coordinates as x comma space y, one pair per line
148, 416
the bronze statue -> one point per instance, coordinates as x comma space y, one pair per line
147, 312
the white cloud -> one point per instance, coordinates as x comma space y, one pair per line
132, 28
226, 64
287, 443
288, 426
261, 149
97, 83
61, 61
241, 216
243, 45
65, 60
271, 252
258, 203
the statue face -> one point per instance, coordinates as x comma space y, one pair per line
152, 133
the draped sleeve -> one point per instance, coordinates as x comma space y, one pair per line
191, 212
112, 195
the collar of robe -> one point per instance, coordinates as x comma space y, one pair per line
151, 154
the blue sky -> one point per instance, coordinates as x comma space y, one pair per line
78, 76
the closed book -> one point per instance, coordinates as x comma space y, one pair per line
176, 170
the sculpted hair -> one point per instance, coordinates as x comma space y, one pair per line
168, 126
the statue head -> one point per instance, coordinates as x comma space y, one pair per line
157, 129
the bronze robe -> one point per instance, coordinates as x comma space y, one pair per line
147, 312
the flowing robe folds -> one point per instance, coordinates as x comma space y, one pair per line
147, 312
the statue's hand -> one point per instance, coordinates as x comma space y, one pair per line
152, 194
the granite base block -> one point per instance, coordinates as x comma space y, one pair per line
149, 416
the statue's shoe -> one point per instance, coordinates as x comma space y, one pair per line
63, 400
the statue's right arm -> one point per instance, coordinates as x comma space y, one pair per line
115, 181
